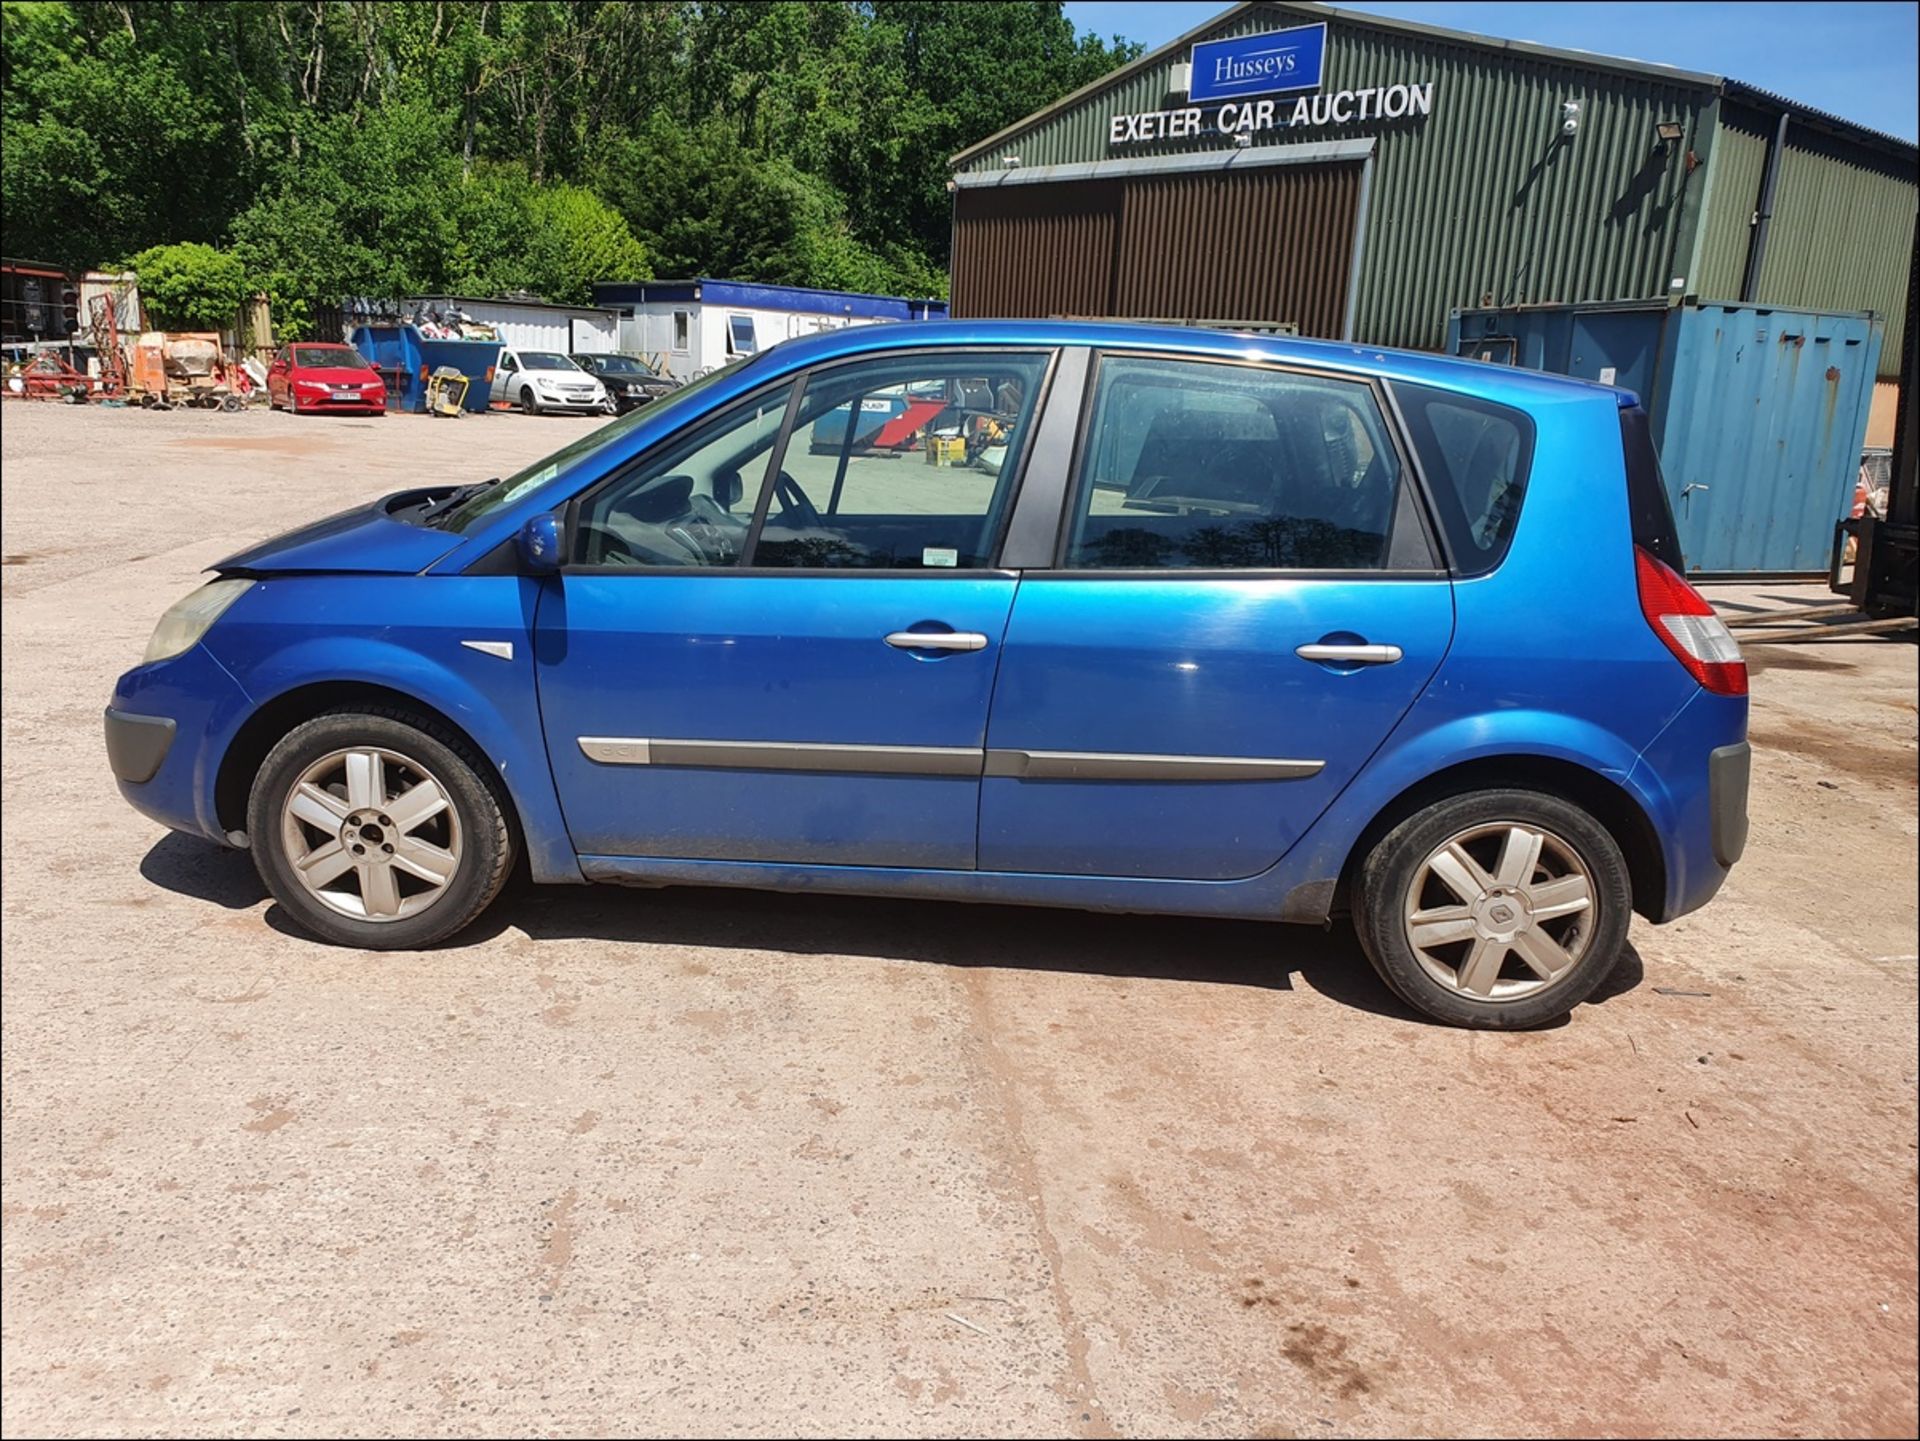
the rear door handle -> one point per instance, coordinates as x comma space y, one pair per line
937, 640
1350, 654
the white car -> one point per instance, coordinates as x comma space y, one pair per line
542, 380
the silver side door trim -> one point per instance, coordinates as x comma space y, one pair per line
1351, 654
1119, 766
783, 756
938, 760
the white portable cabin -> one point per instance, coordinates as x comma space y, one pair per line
535, 324
685, 328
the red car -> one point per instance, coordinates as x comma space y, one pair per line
310, 377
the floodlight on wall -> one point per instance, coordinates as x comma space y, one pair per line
1669, 131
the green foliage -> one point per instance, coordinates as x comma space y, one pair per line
190, 286
392, 147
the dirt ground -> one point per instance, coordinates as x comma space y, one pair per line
712, 1163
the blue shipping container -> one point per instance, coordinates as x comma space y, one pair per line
1759, 412
404, 357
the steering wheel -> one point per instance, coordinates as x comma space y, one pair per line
613, 548
793, 498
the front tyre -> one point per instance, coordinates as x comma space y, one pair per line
528, 405
375, 829
1497, 910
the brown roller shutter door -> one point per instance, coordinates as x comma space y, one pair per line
1270, 244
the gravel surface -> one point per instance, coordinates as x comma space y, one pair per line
714, 1163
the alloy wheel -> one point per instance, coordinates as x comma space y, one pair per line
371, 833
1500, 911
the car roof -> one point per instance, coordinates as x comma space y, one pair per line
1479, 377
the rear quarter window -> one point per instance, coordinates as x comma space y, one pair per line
1476, 456
1653, 527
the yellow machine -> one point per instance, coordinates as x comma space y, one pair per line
447, 392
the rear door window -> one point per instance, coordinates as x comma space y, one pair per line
1203, 465
1476, 456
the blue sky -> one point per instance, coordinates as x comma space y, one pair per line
1856, 60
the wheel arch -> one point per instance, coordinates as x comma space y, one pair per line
262, 730
1609, 803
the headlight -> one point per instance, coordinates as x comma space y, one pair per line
190, 618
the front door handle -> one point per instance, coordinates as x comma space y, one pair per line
1350, 654
937, 640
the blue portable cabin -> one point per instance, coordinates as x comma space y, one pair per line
405, 358
1759, 412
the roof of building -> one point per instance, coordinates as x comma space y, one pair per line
1645, 69
753, 295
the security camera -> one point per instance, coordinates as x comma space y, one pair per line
1569, 116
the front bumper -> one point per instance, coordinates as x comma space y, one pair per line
167, 726
359, 404
583, 405
137, 744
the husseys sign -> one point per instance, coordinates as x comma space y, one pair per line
1224, 73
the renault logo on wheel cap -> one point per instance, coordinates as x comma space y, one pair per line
1500, 915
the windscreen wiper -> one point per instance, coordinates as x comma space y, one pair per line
455, 496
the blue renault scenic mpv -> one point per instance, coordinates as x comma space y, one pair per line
1116, 617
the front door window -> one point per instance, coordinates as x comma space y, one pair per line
905, 463
689, 504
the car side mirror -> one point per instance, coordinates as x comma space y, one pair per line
541, 544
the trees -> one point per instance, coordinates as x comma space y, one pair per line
190, 286
381, 147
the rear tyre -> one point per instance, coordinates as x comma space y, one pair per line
376, 829
1497, 910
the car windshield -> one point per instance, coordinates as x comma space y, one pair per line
620, 365
327, 356
496, 495
544, 360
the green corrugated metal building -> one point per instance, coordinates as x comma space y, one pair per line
1426, 169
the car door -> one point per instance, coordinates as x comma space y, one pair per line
1242, 602
768, 650
502, 374
277, 376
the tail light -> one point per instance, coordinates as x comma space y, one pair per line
1681, 617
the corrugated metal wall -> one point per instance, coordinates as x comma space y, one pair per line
1277, 246
1035, 249
1841, 236
1271, 245
1739, 166
1842, 228
1480, 197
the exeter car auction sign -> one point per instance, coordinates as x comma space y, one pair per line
1224, 73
